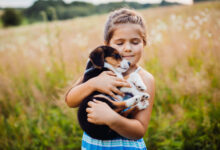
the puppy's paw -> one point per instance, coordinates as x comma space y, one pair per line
137, 98
145, 96
134, 100
143, 104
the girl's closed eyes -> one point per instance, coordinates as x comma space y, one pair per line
134, 41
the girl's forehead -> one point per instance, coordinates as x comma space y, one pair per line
127, 31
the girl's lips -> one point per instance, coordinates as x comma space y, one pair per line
127, 56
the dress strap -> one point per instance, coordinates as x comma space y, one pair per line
138, 68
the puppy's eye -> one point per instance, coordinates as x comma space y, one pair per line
117, 56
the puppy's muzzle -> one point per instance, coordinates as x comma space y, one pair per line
124, 65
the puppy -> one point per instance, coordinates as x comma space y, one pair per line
105, 58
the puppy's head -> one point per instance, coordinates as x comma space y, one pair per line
109, 55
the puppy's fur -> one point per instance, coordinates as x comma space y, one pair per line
105, 58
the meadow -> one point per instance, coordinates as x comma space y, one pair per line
40, 62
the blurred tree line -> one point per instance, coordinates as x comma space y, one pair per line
48, 10
64, 11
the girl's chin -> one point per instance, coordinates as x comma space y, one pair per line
128, 58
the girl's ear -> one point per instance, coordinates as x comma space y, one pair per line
97, 57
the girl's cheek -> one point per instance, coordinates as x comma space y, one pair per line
112, 45
119, 48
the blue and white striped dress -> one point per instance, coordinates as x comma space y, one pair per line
119, 143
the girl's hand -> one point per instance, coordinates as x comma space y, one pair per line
107, 83
100, 113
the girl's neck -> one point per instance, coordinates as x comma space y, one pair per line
130, 70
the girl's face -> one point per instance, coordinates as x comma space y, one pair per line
128, 41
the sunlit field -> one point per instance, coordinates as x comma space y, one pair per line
40, 62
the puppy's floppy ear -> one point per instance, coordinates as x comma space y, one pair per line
97, 57
89, 64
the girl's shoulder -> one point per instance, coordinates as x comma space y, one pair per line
146, 76
144, 73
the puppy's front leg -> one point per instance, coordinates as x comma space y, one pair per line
142, 104
137, 81
144, 96
133, 100
127, 103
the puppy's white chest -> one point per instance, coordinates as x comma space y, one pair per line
137, 85
138, 90
136, 81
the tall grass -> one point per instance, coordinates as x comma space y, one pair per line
39, 63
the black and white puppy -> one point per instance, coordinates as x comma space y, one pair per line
105, 58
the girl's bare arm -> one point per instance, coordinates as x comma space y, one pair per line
78, 92
137, 127
106, 83
130, 128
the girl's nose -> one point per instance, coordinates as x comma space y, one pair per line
127, 47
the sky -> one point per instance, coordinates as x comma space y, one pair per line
27, 3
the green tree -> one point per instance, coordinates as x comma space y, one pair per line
51, 13
11, 17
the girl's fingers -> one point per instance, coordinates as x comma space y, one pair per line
121, 84
100, 102
89, 115
90, 103
121, 80
90, 120
110, 73
88, 110
117, 91
113, 95
97, 101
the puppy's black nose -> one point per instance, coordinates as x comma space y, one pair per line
129, 63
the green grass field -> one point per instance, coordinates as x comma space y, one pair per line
40, 62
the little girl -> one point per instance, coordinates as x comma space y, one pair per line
124, 31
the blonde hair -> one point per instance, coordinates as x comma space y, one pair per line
123, 16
